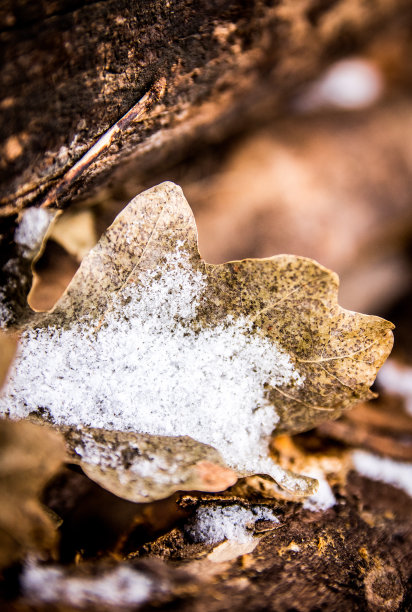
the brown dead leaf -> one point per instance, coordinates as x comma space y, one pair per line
75, 232
52, 274
8, 344
157, 365
16, 274
126, 461
29, 456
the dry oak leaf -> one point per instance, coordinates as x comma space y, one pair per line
167, 373
29, 456
8, 345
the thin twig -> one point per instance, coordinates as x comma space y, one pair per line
136, 113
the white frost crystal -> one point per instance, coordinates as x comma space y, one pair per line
396, 378
384, 469
324, 498
32, 228
5, 314
121, 587
146, 369
234, 523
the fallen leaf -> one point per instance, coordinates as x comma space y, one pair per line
75, 232
16, 273
29, 455
8, 345
51, 275
227, 551
167, 373
143, 467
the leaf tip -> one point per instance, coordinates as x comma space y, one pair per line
215, 477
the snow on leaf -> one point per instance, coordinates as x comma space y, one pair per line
167, 373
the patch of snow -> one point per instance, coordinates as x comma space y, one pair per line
5, 313
121, 587
33, 226
147, 370
397, 379
348, 84
386, 470
234, 523
12, 274
324, 498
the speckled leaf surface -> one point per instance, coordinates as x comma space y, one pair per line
167, 373
123, 463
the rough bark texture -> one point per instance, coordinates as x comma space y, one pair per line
354, 557
71, 70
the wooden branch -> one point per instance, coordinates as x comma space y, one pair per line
135, 114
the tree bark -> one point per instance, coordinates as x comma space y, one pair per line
71, 70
